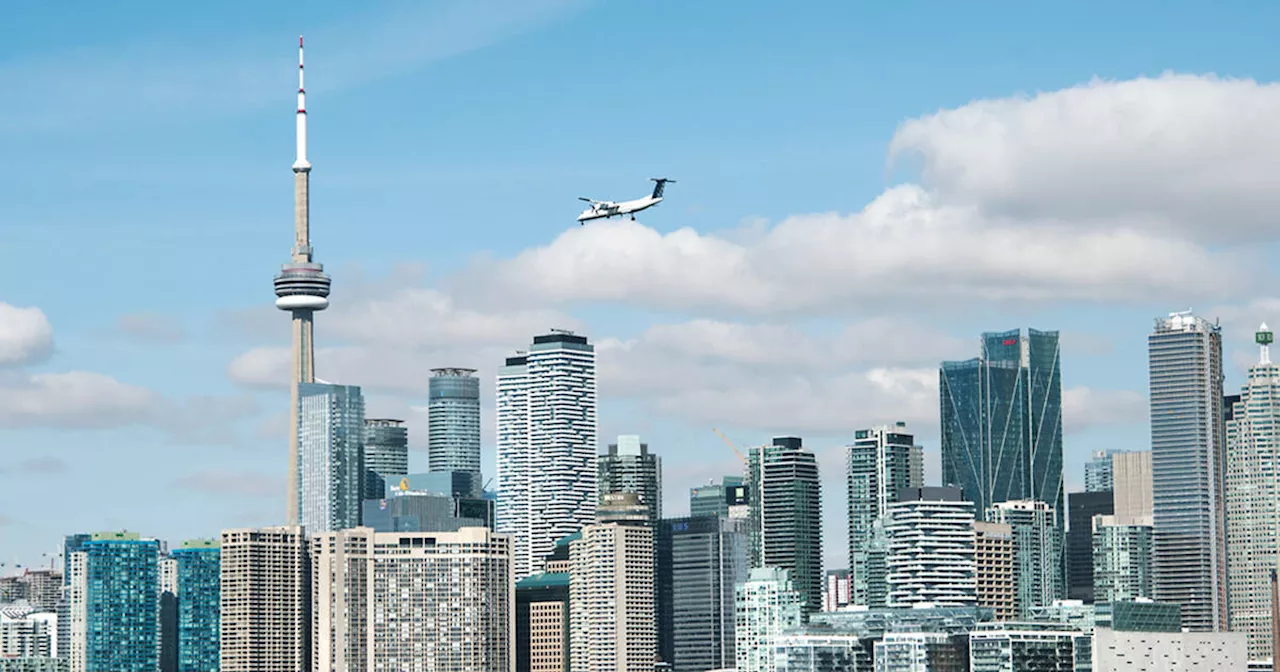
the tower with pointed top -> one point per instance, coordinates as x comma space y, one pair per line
302, 288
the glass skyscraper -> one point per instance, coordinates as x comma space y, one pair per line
880, 462
700, 561
115, 604
630, 467
331, 456
785, 503
1002, 421
199, 605
453, 417
718, 499
386, 453
1187, 463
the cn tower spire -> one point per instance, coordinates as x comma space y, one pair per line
302, 288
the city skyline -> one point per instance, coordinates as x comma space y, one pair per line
190, 384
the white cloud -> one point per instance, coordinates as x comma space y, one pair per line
26, 336
75, 399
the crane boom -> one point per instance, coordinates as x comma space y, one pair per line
729, 443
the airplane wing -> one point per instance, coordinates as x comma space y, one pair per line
598, 204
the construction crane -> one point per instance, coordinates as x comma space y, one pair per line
729, 443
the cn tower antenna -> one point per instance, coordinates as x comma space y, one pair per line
301, 162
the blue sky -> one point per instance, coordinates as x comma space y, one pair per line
863, 188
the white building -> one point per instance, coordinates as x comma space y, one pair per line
412, 600
1017, 647
809, 652
27, 633
920, 651
265, 590
546, 410
612, 616
931, 549
1115, 651
767, 605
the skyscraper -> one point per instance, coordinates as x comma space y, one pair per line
453, 417
302, 288
700, 560
1098, 471
1081, 508
199, 566
766, 606
546, 445
1188, 453
881, 462
630, 467
331, 455
996, 576
386, 452
612, 616
115, 591
931, 549
1132, 497
785, 500
1002, 420
722, 499
1121, 558
1037, 549
1253, 500
265, 618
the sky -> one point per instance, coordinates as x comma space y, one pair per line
863, 188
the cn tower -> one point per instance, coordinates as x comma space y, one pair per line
302, 288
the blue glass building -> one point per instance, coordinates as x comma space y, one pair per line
331, 470
199, 605
453, 417
386, 453
115, 601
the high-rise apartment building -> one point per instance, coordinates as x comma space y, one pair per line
727, 498
1081, 508
837, 591
265, 618
29, 634
199, 592
931, 549
612, 616
993, 552
115, 609
331, 456
406, 600
386, 453
1188, 459
1098, 473
785, 503
767, 605
881, 462
546, 445
453, 418
630, 467
542, 622
1002, 420
1122, 550
1132, 497
1037, 544
799, 651
1020, 646
1253, 500
700, 561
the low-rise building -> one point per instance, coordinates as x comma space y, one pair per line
1116, 651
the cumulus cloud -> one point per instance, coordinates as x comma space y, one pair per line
229, 483
150, 328
26, 337
74, 399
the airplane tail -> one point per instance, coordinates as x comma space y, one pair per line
660, 184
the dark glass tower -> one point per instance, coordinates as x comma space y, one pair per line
1081, 508
785, 500
700, 561
630, 467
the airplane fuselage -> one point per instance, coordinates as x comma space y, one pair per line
624, 208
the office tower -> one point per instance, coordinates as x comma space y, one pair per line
1164, 651
199, 583
785, 501
1002, 421
542, 622
931, 549
1016, 647
1253, 500
630, 467
546, 445
412, 600
410, 510
1098, 474
453, 420
881, 462
922, 652
331, 454
1122, 550
837, 591
723, 499
264, 612
700, 560
1037, 544
819, 652
612, 616
302, 288
1187, 460
28, 633
1132, 497
766, 606
993, 553
386, 451
1081, 508
115, 590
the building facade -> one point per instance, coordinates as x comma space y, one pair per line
546, 412
424, 511
818, 652
993, 552
199, 593
922, 652
386, 452
726, 499
700, 561
115, 608
1098, 473
1022, 646
612, 616
1081, 508
1132, 497
1122, 558
931, 549
628, 466
542, 622
331, 456
265, 618
453, 420
1037, 550
785, 504
879, 463
1116, 651
767, 606
27, 633
1188, 458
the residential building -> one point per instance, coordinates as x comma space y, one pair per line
922, 651
785, 501
838, 591
199, 580
1037, 550
1122, 562
628, 466
993, 552
453, 421
1188, 459
26, 632
396, 600
725, 499
1081, 508
1116, 651
1132, 497
1002, 421
115, 610
767, 605
700, 561
330, 456
931, 549
542, 622
818, 652
546, 445
386, 453
265, 618
872, 624
1098, 472
879, 463
37, 664
1022, 646
1076, 616
612, 616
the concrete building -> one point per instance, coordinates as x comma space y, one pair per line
265, 618
115, 610
331, 456
726, 499
395, 600
922, 652
301, 288
818, 652
1122, 562
1081, 509
767, 606
546, 445
700, 561
837, 591
40, 588
1037, 544
1022, 646
785, 501
1116, 651
879, 463
542, 623
386, 453
453, 421
993, 552
28, 633
612, 616
198, 565
1188, 460
1132, 497
628, 466
931, 549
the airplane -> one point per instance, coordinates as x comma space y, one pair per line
606, 209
